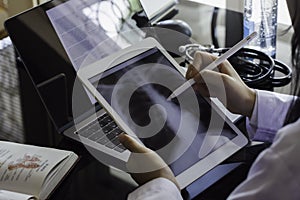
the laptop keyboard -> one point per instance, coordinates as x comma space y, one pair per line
103, 131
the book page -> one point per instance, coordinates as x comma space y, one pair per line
7, 195
24, 168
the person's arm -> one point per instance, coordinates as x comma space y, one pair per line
155, 178
159, 188
268, 115
266, 110
275, 173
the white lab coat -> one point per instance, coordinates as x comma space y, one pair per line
275, 174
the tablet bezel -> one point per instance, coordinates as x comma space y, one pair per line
198, 169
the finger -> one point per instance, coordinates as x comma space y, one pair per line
202, 89
191, 72
225, 67
202, 59
228, 69
131, 144
212, 80
210, 77
216, 83
197, 61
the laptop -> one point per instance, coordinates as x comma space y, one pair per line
59, 37
156, 10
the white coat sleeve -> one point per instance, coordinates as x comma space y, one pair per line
268, 115
160, 188
275, 173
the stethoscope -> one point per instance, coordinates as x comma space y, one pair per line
256, 68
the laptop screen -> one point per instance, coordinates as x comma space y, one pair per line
55, 39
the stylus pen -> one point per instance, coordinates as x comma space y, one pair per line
214, 64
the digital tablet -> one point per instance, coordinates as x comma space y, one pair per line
133, 85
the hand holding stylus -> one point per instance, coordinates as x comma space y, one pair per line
214, 64
224, 84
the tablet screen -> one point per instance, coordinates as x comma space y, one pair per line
137, 90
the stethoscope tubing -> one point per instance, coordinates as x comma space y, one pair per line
254, 67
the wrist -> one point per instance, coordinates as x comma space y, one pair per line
249, 102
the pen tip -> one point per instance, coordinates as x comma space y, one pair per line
170, 97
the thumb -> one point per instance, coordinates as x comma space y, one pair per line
203, 59
131, 144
